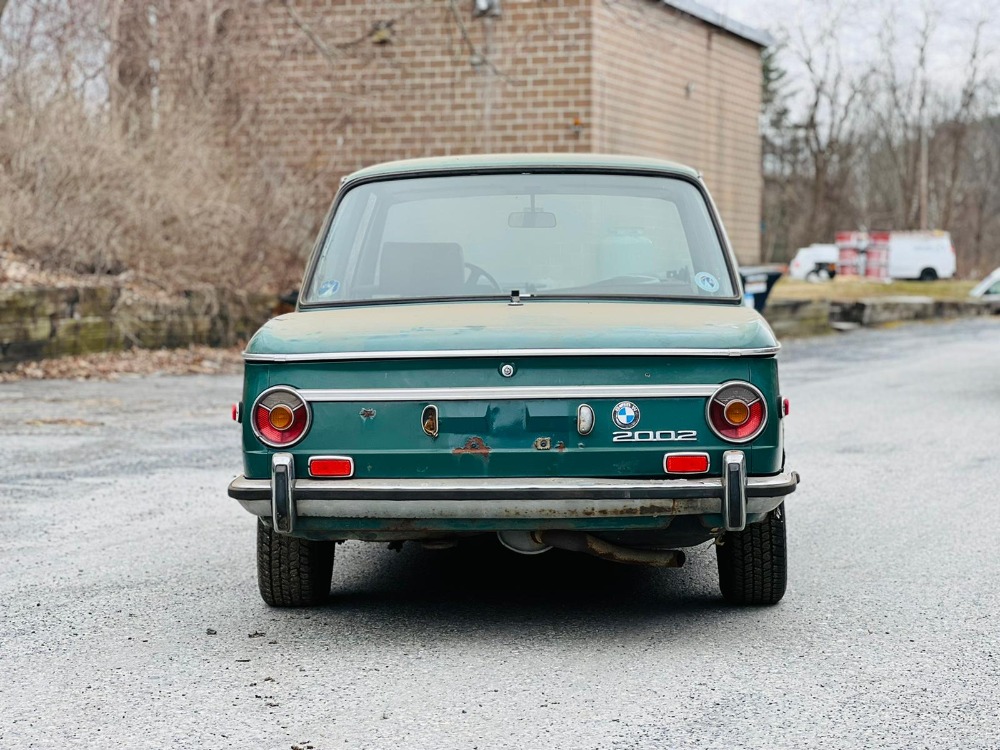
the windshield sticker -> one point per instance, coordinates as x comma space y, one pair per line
329, 288
706, 281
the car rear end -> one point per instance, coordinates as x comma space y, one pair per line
418, 449
551, 351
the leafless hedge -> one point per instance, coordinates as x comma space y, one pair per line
99, 178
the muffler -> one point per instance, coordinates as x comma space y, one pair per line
522, 542
578, 541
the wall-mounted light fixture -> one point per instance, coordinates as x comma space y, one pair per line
482, 8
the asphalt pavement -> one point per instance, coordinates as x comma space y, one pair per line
129, 615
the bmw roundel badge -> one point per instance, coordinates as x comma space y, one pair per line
625, 415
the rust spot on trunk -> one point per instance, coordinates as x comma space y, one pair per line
367, 414
473, 446
560, 446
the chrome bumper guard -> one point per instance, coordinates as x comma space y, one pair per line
733, 496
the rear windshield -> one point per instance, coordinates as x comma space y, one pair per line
544, 235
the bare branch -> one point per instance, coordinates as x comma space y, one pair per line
306, 29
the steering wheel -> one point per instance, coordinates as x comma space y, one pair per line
476, 273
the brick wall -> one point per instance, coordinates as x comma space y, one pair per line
669, 85
618, 76
441, 85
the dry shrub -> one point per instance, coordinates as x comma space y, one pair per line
103, 174
173, 208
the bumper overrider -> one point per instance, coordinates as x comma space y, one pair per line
438, 504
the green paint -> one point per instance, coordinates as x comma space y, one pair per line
496, 325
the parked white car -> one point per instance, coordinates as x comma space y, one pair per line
813, 262
988, 288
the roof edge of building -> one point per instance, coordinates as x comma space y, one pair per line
714, 18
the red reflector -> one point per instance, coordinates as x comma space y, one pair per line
333, 466
685, 463
786, 407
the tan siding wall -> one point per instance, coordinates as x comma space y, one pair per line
668, 85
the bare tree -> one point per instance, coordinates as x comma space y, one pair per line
828, 128
884, 143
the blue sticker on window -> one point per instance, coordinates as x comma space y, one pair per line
329, 288
706, 281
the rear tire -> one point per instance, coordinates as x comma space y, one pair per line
928, 274
292, 572
753, 563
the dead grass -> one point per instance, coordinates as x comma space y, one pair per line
853, 289
174, 209
194, 360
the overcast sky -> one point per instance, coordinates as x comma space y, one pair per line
954, 23
955, 20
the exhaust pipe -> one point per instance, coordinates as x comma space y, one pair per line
522, 542
578, 541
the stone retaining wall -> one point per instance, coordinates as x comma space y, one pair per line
809, 318
52, 322
882, 310
798, 317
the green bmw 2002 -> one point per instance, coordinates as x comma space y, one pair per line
551, 349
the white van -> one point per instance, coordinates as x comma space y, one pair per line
896, 255
813, 262
921, 255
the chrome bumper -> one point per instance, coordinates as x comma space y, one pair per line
733, 496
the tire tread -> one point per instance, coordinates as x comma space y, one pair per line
753, 563
292, 572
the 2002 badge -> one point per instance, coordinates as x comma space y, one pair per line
651, 436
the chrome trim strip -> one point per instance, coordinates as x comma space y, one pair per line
430, 511
511, 393
767, 351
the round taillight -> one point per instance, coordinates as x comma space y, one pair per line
280, 417
736, 412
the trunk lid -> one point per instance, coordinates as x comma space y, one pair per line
370, 373
492, 325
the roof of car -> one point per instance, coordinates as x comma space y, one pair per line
491, 162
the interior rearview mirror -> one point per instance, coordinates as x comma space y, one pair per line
531, 220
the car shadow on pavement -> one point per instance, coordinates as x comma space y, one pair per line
481, 582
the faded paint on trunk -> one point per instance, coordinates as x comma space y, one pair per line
495, 324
